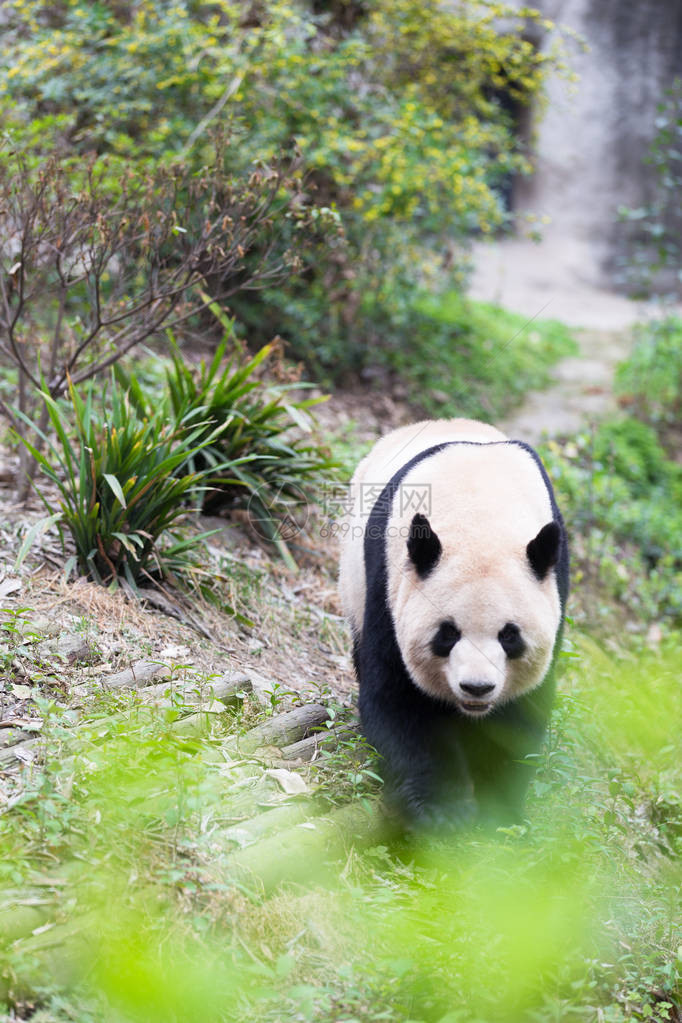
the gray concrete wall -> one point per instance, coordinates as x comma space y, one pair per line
590, 142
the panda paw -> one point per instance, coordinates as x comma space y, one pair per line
447, 818
437, 817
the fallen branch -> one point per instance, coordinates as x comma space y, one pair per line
306, 749
284, 729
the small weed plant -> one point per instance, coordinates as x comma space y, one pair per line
15, 634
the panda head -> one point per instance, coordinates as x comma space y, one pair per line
477, 630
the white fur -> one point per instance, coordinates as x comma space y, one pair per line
372, 474
486, 501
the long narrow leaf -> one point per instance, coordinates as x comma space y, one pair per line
116, 487
34, 533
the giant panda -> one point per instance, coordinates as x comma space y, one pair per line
454, 579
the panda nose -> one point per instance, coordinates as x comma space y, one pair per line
477, 689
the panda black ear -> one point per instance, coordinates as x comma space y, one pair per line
543, 551
423, 546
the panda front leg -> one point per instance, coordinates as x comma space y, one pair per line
501, 751
424, 770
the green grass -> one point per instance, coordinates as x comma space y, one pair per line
476, 359
121, 841
621, 494
651, 378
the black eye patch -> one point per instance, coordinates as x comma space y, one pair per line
511, 641
442, 643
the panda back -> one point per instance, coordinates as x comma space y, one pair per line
388, 458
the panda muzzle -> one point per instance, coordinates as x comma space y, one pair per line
478, 693
477, 689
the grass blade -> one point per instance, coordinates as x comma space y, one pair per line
34, 533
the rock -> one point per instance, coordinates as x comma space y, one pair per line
67, 648
75, 649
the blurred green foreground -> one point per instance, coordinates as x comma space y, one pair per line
131, 886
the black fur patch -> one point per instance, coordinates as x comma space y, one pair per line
543, 551
447, 636
423, 546
562, 563
511, 641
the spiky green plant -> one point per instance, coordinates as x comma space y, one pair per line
120, 483
253, 445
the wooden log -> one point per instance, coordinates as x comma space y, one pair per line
59, 951
193, 725
307, 851
306, 749
18, 751
136, 676
224, 688
254, 829
284, 729
15, 730
20, 921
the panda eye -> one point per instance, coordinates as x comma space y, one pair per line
447, 635
511, 641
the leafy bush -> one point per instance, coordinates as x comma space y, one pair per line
131, 80
92, 267
136, 461
651, 378
397, 111
121, 486
622, 499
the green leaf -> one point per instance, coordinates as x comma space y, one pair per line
34, 533
116, 487
129, 541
